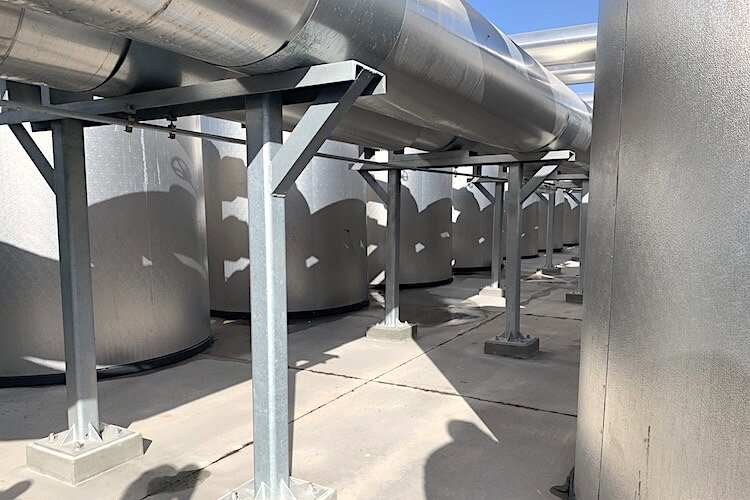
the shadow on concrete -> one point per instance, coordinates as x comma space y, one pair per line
15, 491
168, 482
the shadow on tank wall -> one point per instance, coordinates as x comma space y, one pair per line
149, 291
426, 252
317, 282
472, 231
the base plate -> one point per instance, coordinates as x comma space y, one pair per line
523, 349
400, 333
297, 490
73, 463
489, 291
556, 271
574, 298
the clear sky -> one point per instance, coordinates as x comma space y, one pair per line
517, 16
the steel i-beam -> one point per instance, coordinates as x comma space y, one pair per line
549, 267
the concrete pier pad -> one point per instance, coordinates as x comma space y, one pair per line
74, 462
400, 333
574, 298
297, 490
523, 349
555, 271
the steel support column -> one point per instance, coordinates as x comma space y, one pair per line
497, 235
393, 250
512, 343
550, 242
392, 329
577, 296
513, 255
549, 265
75, 280
268, 300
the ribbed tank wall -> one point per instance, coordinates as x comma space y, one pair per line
571, 219
472, 221
325, 222
426, 249
559, 221
148, 248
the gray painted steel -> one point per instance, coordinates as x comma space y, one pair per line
571, 221
472, 221
326, 231
665, 367
471, 81
426, 248
559, 221
148, 251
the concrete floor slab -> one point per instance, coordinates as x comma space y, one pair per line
432, 418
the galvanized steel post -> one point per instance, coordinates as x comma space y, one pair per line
582, 237
497, 235
550, 242
268, 307
75, 280
393, 249
513, 255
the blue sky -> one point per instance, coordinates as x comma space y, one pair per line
516, 16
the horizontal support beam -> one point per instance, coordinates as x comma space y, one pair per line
297, 85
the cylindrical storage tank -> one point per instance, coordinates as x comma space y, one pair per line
529, 220
473, 221
664, 398
571, 218
325, 230
148, 251
426, 250
559, 221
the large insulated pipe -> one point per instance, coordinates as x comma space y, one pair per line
568, 45
446, 64
43, 49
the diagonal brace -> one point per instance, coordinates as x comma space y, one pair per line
36, 155
542, 175
375, 185
315, 127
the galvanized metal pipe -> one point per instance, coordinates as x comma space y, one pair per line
447, 66
567, 45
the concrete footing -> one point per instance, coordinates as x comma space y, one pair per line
522, 349
556, 271
74, 462
574, 298
297, 490
400, 333
492, 292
